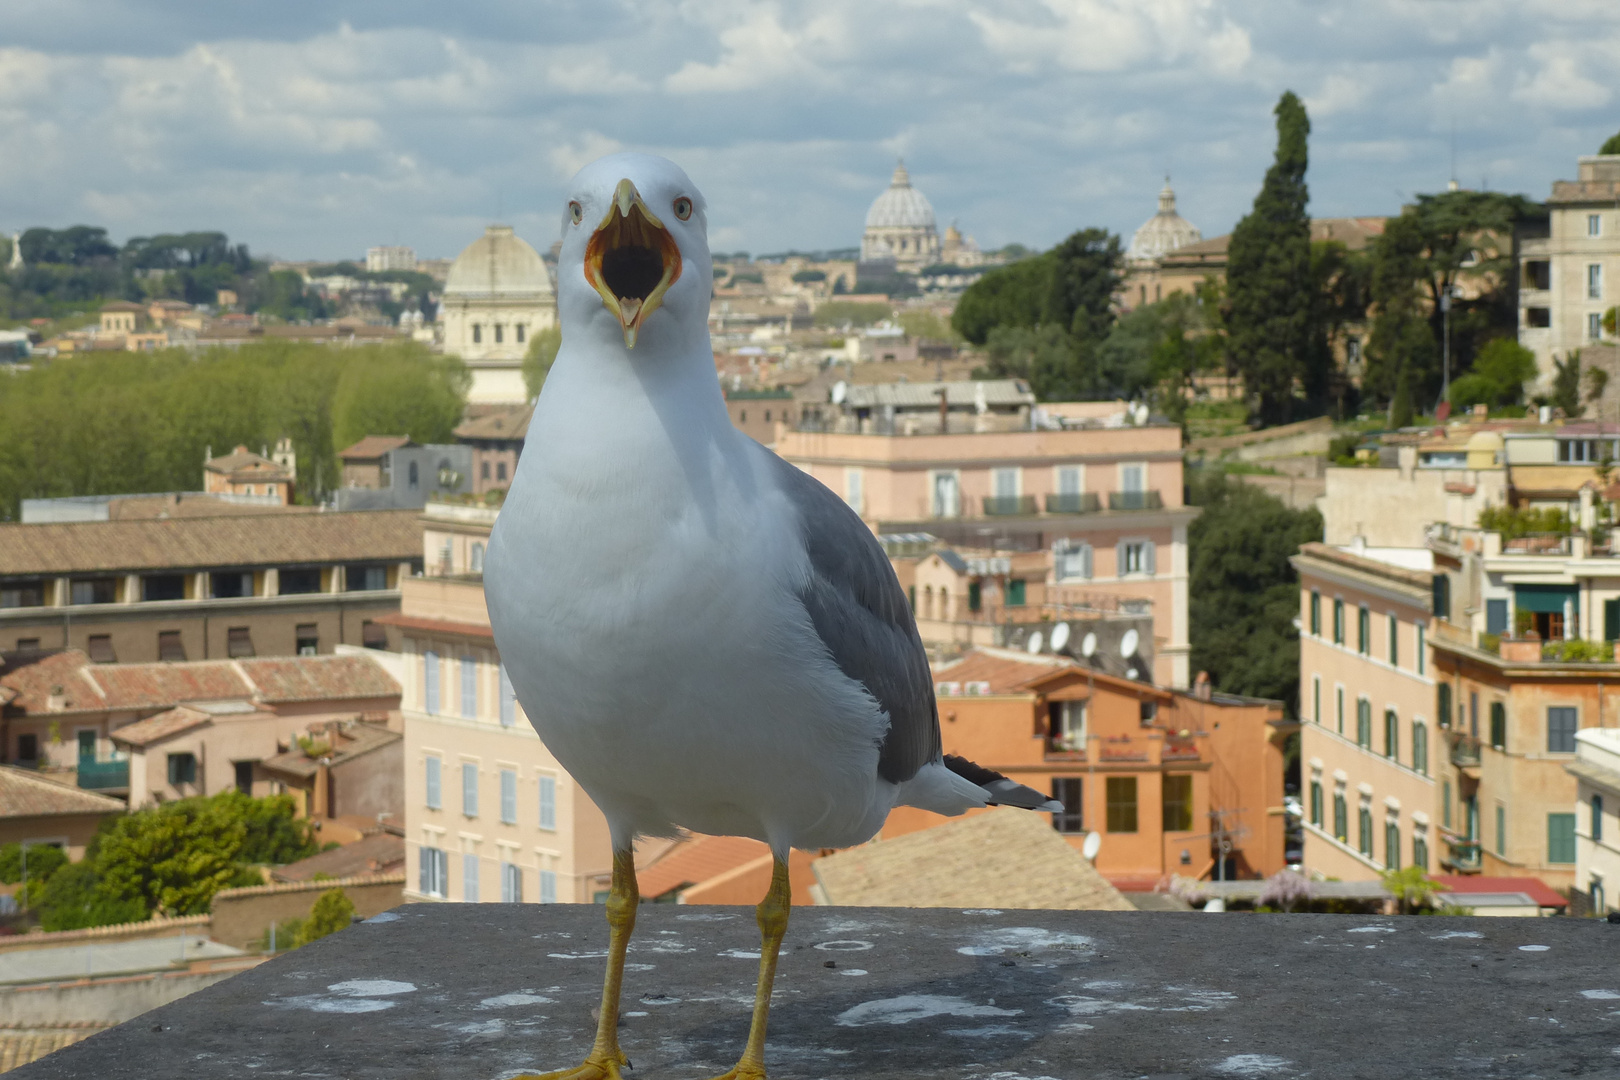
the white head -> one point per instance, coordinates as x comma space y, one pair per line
634, 266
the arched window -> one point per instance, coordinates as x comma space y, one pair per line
1391, 734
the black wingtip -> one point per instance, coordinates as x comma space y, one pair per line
998, 789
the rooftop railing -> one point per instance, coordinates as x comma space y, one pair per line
103, 775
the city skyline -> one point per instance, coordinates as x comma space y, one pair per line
321, 132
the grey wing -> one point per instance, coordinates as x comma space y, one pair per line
861, 615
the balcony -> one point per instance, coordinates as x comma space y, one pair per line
1135, 500
438, 991
103, 775
1008, 505
1465, 751
1179, 748
1085, 502
1464, 855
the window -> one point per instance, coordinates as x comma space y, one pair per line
1316, 613
163, 587
365, 578
522, 333
1341, 814
1015, 592
548, 886
430, 680
500, 471
1540, 317
1394, 642
1147, 712
373, 635
1364, 723
475, 557
508, 700
1316, 698
1473, 713
483, 470
28, 748
307, 639
1561, 723
244, 776
1316, 803
1133, 478
1068, 727
511, 876
434, 769
1069, 480
94, 591
1600, 904
947, 495
1338, 694
1420, 747
500, 333
1445, 803
230, 585
1363, 631
478, 333
509, 796
1004, 483
1440, 594
1420, 852
1442, 694
1135, 557
1071, 559
1422, 660
1498, 725
182, 769
469, 789
1066, 790
1594, 326
855, 488
170, 648
1594, 225
1597, 818
1392, 845
101, 649
1560, 838
298, 579
975, 596
1121, 791
1365, 839
469, 687
469, 877
238, 641
413, 477
28, 644
1611, 620
1594, 281
1338, 622
22, 594
1391, 734
1178, 803
1501, 829
435, 874
548, 802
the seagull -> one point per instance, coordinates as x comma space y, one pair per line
705, 637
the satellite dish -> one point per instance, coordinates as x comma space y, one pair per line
1128, 643
1034, 642
1088, 646
1133, 674
1092, 845
840, 391
1060, 636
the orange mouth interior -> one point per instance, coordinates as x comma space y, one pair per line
631, 260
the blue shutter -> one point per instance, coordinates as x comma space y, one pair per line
425, 879
469, 790
508, 700
469, 687
469, 878
548, 886
1119, 559
548, 802
1149, 560
430, 693
434, 801
509, 796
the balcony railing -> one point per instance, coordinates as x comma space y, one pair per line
1464, 854
1177, 748
1464, 751
1007, 505
1080, 502
1135, 500
99, 775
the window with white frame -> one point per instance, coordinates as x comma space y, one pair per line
1070, 479
548, 802
1421, 661
511, 883
1005, 482
947, 495
1594, 281
476, 557
1594, 326
435, 871
1069, 725
434, 795
1133, 477
1594, 225
1071, 559
1134, 557
508, 700
469, 686
469, 789
430, 682
469, 877
509, 796
548, 886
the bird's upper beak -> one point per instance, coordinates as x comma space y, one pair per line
632, 260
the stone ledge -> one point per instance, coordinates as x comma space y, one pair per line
455, 991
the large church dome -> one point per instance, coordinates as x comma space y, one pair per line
498, 265
1165, 231
902, 206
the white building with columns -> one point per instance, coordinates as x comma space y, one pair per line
497, 296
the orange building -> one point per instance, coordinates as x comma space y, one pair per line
242, 472
1167, 778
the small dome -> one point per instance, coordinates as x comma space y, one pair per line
1485, 440
902, 206
1165, 231
498, 265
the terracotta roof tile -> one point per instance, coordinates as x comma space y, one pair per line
508, 423
1004, 669
697, 859
351, 740
202, 543
164, 724
157, 686
245, 464
373, 446
318, 678
997, 859
24, 794
381, 853
31, 679
1538, 890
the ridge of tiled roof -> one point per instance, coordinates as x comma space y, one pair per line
24, 794
1006, 670
202, 543
162, 726
373, 446
352, 741
510, 422
380, 853
697, 859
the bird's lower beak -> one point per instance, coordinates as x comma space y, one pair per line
632, 260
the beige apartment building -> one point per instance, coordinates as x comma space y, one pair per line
1367, 704
202, 588
490, 816
1102, 504
1596, 769
1570, 273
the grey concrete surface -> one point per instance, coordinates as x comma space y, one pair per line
449, 991
92, 959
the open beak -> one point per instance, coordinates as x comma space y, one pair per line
631, 260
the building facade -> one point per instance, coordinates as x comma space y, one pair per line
1569, 270
1596, 769
497, 296
900, 227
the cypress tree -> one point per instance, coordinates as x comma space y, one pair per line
1269, 277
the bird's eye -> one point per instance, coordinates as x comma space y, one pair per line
683, 208
576, 212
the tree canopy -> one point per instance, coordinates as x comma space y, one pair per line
1611, 145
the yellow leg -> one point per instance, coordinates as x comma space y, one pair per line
773, 920
603, 1062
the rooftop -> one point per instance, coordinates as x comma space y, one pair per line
373, 446
476, 991
27, 794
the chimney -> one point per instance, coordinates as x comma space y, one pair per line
56, 701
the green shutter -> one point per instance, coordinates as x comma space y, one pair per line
1611, 620
1443, 693
1498, 725
1560, 838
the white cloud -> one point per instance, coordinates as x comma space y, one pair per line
1558, 83
1115, 35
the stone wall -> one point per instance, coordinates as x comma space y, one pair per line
109, 1000
241, 916
190, 925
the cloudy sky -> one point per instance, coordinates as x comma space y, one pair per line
314, 128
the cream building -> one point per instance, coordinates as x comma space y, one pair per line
1596, 769
900, 226
497, 296
1571, 275
490, 816
1161, 234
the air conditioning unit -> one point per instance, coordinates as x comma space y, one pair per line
978, 688
947, 689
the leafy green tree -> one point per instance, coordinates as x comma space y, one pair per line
1402, 356
1500, 372
43, 861
1268, 276
927, 326
333, 911
537, 361
274, 833
1566, 384
1514, 522
1244, 591
1611, 145
419, 395
1013, 295
173, 857
73, 899
838, 313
